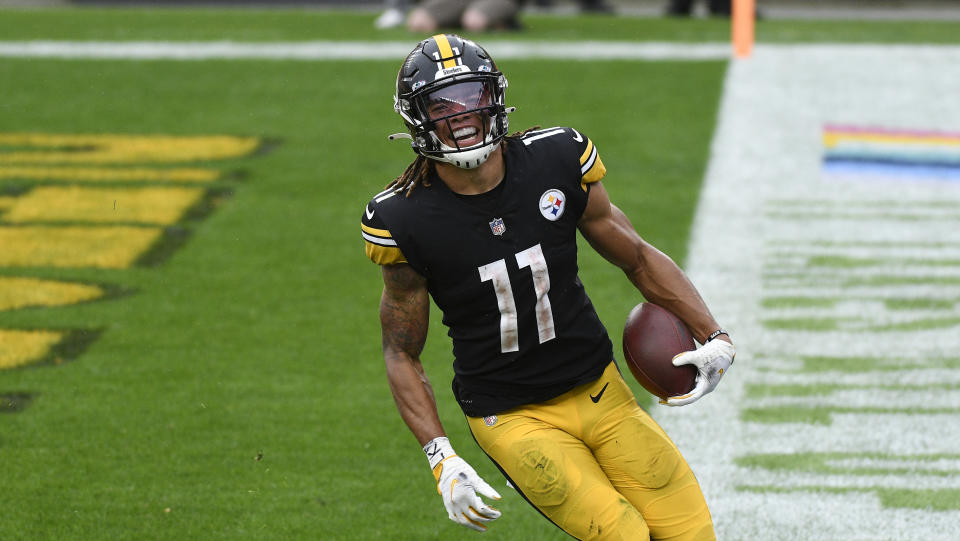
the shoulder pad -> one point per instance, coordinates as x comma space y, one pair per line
591, 167
381, 248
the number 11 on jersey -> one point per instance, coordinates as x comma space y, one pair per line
497, 273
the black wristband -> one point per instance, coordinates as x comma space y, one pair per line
717, 333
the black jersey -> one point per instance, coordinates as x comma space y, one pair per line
502, 267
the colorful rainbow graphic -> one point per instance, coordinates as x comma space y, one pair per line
898, 154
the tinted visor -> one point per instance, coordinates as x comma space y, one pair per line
456, 99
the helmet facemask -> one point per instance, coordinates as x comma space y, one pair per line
458, 121
462, 121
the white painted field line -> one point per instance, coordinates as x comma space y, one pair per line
392, 50
765, 170
340, 50
867, 433
928, 377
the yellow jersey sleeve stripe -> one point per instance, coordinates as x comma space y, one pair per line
375, 231
445, 50
384, 255
597, 171
587, 152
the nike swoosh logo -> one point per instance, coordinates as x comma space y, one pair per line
578, 138
369, 213
597, 398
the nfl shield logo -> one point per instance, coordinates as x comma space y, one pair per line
491, 420
497, 226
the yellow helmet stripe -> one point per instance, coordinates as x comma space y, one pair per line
445, 50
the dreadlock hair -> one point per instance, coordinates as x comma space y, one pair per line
418, 172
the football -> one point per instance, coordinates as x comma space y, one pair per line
652, 336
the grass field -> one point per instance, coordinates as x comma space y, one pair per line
228, 384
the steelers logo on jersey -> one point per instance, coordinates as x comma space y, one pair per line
552, 203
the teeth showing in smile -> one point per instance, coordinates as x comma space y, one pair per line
464, 133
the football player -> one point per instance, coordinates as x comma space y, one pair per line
485, 224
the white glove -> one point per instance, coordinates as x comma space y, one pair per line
712, 360
459, 485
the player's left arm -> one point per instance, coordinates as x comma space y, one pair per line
662, 282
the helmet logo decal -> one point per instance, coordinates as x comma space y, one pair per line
418, 84
446, 72
552, 203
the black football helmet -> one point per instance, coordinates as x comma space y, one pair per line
442, 81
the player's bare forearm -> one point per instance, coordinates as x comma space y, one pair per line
404, 318
654, 273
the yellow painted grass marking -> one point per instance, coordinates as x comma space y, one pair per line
6, 202
114, 247
153, 205
102, 174
17, 292
19, 348
100, 149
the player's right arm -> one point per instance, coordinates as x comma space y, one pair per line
404, 318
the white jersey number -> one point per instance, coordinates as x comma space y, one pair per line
497, 273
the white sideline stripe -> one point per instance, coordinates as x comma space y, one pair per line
766, 164
391, 50
342, 50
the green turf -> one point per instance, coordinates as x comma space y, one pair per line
823, 415
310, 24
832, 463
259, 336
799, 302
236, 390
846, 262
764, 390
863, 364
921, 304
928, 500
864, 464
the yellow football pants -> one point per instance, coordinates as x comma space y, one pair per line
595, 464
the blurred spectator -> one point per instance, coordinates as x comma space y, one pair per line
394, 14
684, 8
471, 15
595, 6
